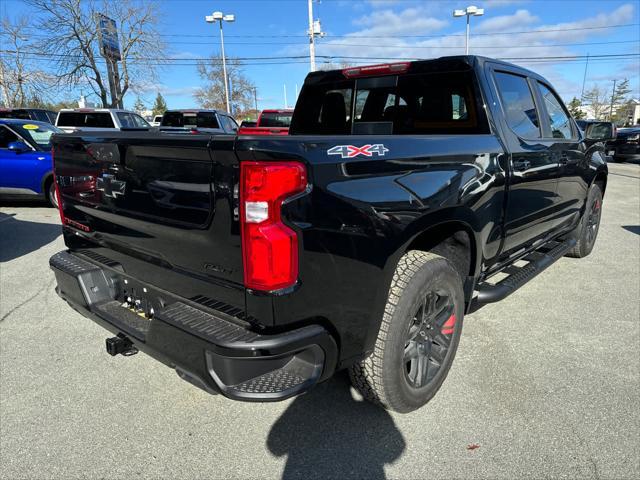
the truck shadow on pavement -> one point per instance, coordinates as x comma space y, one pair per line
328, 434
20, 237
632, 228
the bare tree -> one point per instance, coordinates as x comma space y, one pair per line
211, 95
72, 42
20, 77
596, 98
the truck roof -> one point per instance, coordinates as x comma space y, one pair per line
91, 109
436, 64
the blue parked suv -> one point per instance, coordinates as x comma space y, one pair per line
25, 158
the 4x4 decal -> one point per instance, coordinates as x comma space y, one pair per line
350, 151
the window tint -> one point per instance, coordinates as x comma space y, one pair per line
558, 117
518, 104
85, 119
6, 137
420, 103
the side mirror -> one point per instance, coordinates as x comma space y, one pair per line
600, 131
18, 147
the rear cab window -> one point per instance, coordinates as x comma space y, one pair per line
275, 119
190, 119
85, 119
431, 102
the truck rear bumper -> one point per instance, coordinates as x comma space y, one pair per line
216, 353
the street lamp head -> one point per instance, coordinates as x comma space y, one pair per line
209, 19
217, 15
479, 12
459, 13
229, 18
471, 10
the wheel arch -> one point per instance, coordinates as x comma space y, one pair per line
48, 175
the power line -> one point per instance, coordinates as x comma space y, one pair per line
304, 58
415, 36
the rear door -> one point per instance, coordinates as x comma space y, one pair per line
562, 138
532, 206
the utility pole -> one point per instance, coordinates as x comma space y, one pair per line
613, 92
584, 78
285, 96
255, 99
312, 40
315, 29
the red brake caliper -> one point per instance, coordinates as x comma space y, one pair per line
447, 328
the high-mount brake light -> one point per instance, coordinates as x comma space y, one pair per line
269, 247
373, 70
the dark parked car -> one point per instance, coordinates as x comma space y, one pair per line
626, 146
38, 114
404, 197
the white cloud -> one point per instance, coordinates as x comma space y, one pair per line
388, 22
506, 22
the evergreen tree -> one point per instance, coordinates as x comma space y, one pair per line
139, 106
574, 109
160, 106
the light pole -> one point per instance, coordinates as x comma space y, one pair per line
469, 11
219, 17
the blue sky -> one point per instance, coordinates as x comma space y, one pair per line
394, 29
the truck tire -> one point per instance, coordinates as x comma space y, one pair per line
587, 230
418, 337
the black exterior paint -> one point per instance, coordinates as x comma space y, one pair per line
177, 228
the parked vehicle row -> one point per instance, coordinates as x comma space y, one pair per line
404, 197
270, 122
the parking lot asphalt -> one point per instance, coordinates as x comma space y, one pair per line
545, 384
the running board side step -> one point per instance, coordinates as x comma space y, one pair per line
538, 260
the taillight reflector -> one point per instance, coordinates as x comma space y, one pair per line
372, 70
269, 247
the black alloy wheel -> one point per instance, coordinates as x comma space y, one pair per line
428, 338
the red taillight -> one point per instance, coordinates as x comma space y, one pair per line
371, 70
269, 247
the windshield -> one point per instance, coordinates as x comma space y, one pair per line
38, 134
276, 119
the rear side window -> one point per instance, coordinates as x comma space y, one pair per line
559, 121
131, 120
412, 104
6, 137
518, 105
85, 119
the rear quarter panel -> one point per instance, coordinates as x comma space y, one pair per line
363, 212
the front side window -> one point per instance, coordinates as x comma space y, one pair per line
558, 118
519, 107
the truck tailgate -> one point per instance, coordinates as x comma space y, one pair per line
164, 201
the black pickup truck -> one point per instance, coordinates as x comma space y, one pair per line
405, 196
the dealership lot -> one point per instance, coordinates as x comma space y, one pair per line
545, 384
